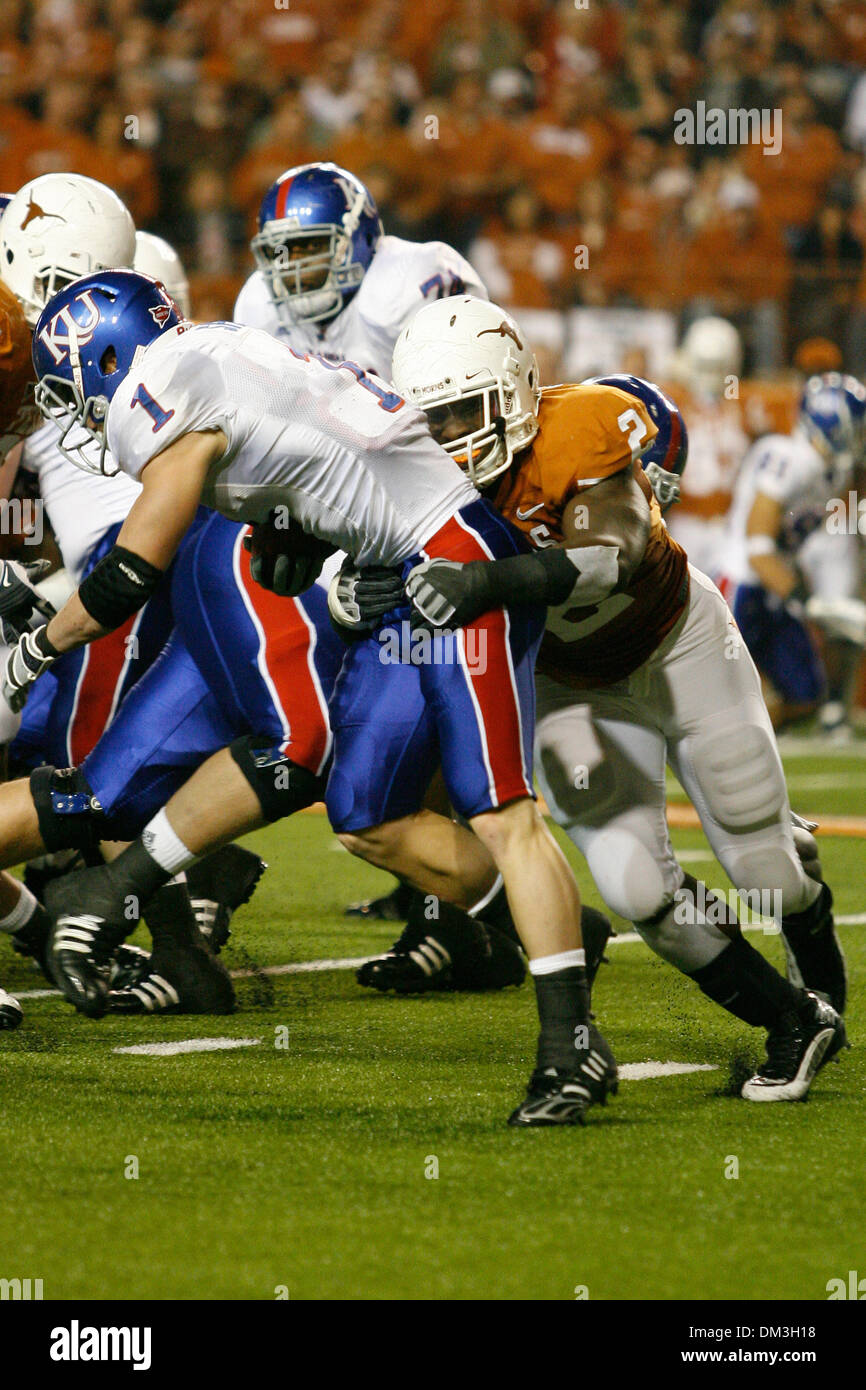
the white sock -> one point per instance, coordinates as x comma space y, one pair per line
21, 912
477, 908
163, 845
563, 960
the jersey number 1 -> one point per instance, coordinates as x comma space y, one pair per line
143, 398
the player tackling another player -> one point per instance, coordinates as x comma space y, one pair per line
641, 663
216, 414
222, 415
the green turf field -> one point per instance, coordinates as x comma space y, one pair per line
302, 1167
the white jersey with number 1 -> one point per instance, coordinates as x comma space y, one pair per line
351, 460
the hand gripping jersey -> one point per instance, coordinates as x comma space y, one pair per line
586, 434
81, 507
403, 276
350, 459
788, 469
18, 413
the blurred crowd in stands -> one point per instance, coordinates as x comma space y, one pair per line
537, 137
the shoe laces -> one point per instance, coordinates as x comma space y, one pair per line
784, 1047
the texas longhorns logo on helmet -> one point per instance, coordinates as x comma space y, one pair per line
505, 330
34, 211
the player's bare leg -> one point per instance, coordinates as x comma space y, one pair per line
574, 1065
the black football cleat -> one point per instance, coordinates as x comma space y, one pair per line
797, 1048
415, 964
128, 965
177, 980
88, 925
559, 1097
494, 962
218, 885
814, 956
393, 907
11, 1012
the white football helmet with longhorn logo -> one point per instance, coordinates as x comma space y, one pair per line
57, 228
467, 364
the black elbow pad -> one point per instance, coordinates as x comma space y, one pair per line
118, 586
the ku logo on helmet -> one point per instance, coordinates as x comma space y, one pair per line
57, 335
160, 313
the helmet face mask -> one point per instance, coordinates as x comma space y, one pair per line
318, 232
81, 422
463, 362
471, 428
309, 287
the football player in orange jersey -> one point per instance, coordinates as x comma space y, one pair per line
641, 664
18, 417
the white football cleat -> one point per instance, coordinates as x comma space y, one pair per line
11, 1012
796, 1050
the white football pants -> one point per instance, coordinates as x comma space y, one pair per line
697, 704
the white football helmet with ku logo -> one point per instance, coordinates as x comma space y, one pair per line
57, 228
467, 364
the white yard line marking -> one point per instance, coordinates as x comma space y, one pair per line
645, 1071
303, 967
171, 1049
694, 856
307, 967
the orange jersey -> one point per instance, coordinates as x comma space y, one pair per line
586, 434
18, 414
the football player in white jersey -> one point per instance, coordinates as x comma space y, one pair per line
328, 279
708, 365
54, 229
48, 222
221, 414
783, 561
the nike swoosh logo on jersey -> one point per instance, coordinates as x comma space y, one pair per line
522, 516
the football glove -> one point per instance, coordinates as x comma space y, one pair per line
447, 594
22, 607
358, 599
285, 558
32, 654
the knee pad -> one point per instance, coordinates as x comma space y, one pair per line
70, 817
282, 787
628, 876
740, 777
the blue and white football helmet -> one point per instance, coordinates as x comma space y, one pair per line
664, 460
833, 417
85, 342
318, 232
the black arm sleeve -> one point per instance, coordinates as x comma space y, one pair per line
118, 586
544, 577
